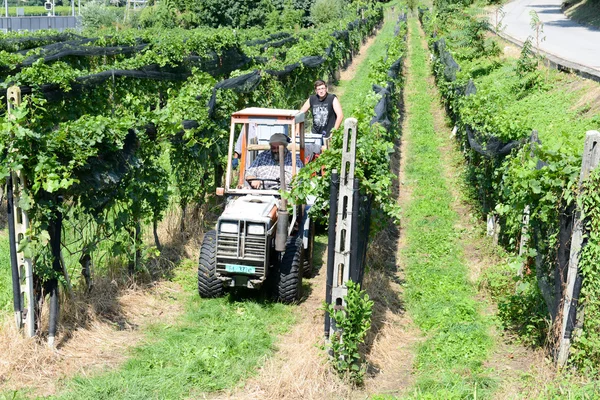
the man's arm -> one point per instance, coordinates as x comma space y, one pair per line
306, 106
337, 107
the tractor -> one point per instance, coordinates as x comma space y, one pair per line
259, 240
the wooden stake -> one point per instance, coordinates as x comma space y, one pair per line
591, 159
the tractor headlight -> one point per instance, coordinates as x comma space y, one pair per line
256, 229
228, 227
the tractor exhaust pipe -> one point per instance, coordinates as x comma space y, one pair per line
283, 217
282, 230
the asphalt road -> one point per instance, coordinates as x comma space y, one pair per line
563, 38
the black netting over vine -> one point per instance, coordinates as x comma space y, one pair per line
288, 69
57, 51
450, 66
215, 64
104, 173
242, 84
220, 64
490, 146
439, 46
53, 92
353, 25
395, 69
248, 82
341, 35
423, 15
470, 88
273, 37
280, 43
401, 18
231, 59
26, 43
382, 107
314, 61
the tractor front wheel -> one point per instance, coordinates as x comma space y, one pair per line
289, 284
209, 285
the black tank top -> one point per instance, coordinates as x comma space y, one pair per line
323, 115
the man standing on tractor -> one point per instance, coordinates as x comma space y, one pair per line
264, 173
325, 108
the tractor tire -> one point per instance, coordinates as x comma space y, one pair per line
209, 285
308, 263
289, 282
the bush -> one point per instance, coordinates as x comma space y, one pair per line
95, 14
325, 11
160, 16
289, 17
525, 313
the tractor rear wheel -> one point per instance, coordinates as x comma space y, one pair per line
209, 285
289, 283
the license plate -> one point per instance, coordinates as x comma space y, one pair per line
243, 269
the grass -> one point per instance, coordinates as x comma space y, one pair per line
218, 343
6, 299
215, 345
354, 90
552, 111
585, 12
439, 295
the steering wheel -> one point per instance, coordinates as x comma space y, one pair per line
263, 181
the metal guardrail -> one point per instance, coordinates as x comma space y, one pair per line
15, 24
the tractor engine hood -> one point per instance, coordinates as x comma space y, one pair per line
251, 208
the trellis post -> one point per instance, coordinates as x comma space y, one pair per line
345, 211
591, 159
21, 266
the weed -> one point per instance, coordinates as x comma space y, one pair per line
352, 323
524, 313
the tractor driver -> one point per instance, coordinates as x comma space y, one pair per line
265, 169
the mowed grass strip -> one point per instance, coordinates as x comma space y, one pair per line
439, 294
217, 344
6, 292
355, 90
